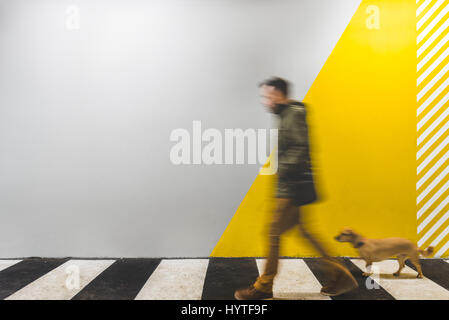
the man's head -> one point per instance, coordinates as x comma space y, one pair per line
274, 91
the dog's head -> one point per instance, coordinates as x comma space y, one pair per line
349, 235
346, 235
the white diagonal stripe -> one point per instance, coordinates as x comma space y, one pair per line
442, 250
429, 100
432, 200
4, 264
434, 21
294, 281
176, 280
422, 7
52, 286
406, 286
429, 218
434, 228
433, 184
433, 154
432, 52
433, 37
440, 237
432, 67
432, 170
433, 81
432, 140
434, 110
432, 127
428, 14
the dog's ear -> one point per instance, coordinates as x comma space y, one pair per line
355, 234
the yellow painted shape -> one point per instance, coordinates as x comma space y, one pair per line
362, 118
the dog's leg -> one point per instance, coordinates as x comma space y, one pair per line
368, 271
415, 260
401, 260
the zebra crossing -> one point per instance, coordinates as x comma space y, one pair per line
208, 279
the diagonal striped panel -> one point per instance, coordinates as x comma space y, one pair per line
432, 153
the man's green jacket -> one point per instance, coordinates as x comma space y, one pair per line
295, 177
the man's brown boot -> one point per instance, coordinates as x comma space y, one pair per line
252, 293
342, 280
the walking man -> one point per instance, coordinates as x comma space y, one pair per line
295, 188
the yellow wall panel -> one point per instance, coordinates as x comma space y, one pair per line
362, 117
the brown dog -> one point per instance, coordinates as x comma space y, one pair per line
374, 250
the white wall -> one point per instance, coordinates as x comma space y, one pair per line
86, 115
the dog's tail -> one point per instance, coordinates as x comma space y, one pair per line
426, 253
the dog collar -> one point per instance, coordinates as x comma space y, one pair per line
359, 244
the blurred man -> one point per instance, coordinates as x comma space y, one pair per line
295, 188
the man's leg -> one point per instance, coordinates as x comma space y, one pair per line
285, 217
308, 236
340, 278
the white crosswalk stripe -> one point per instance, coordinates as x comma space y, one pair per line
7, 263
176, 280
406, 286
63, 282
294, 281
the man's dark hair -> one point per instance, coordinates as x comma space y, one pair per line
278, 83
